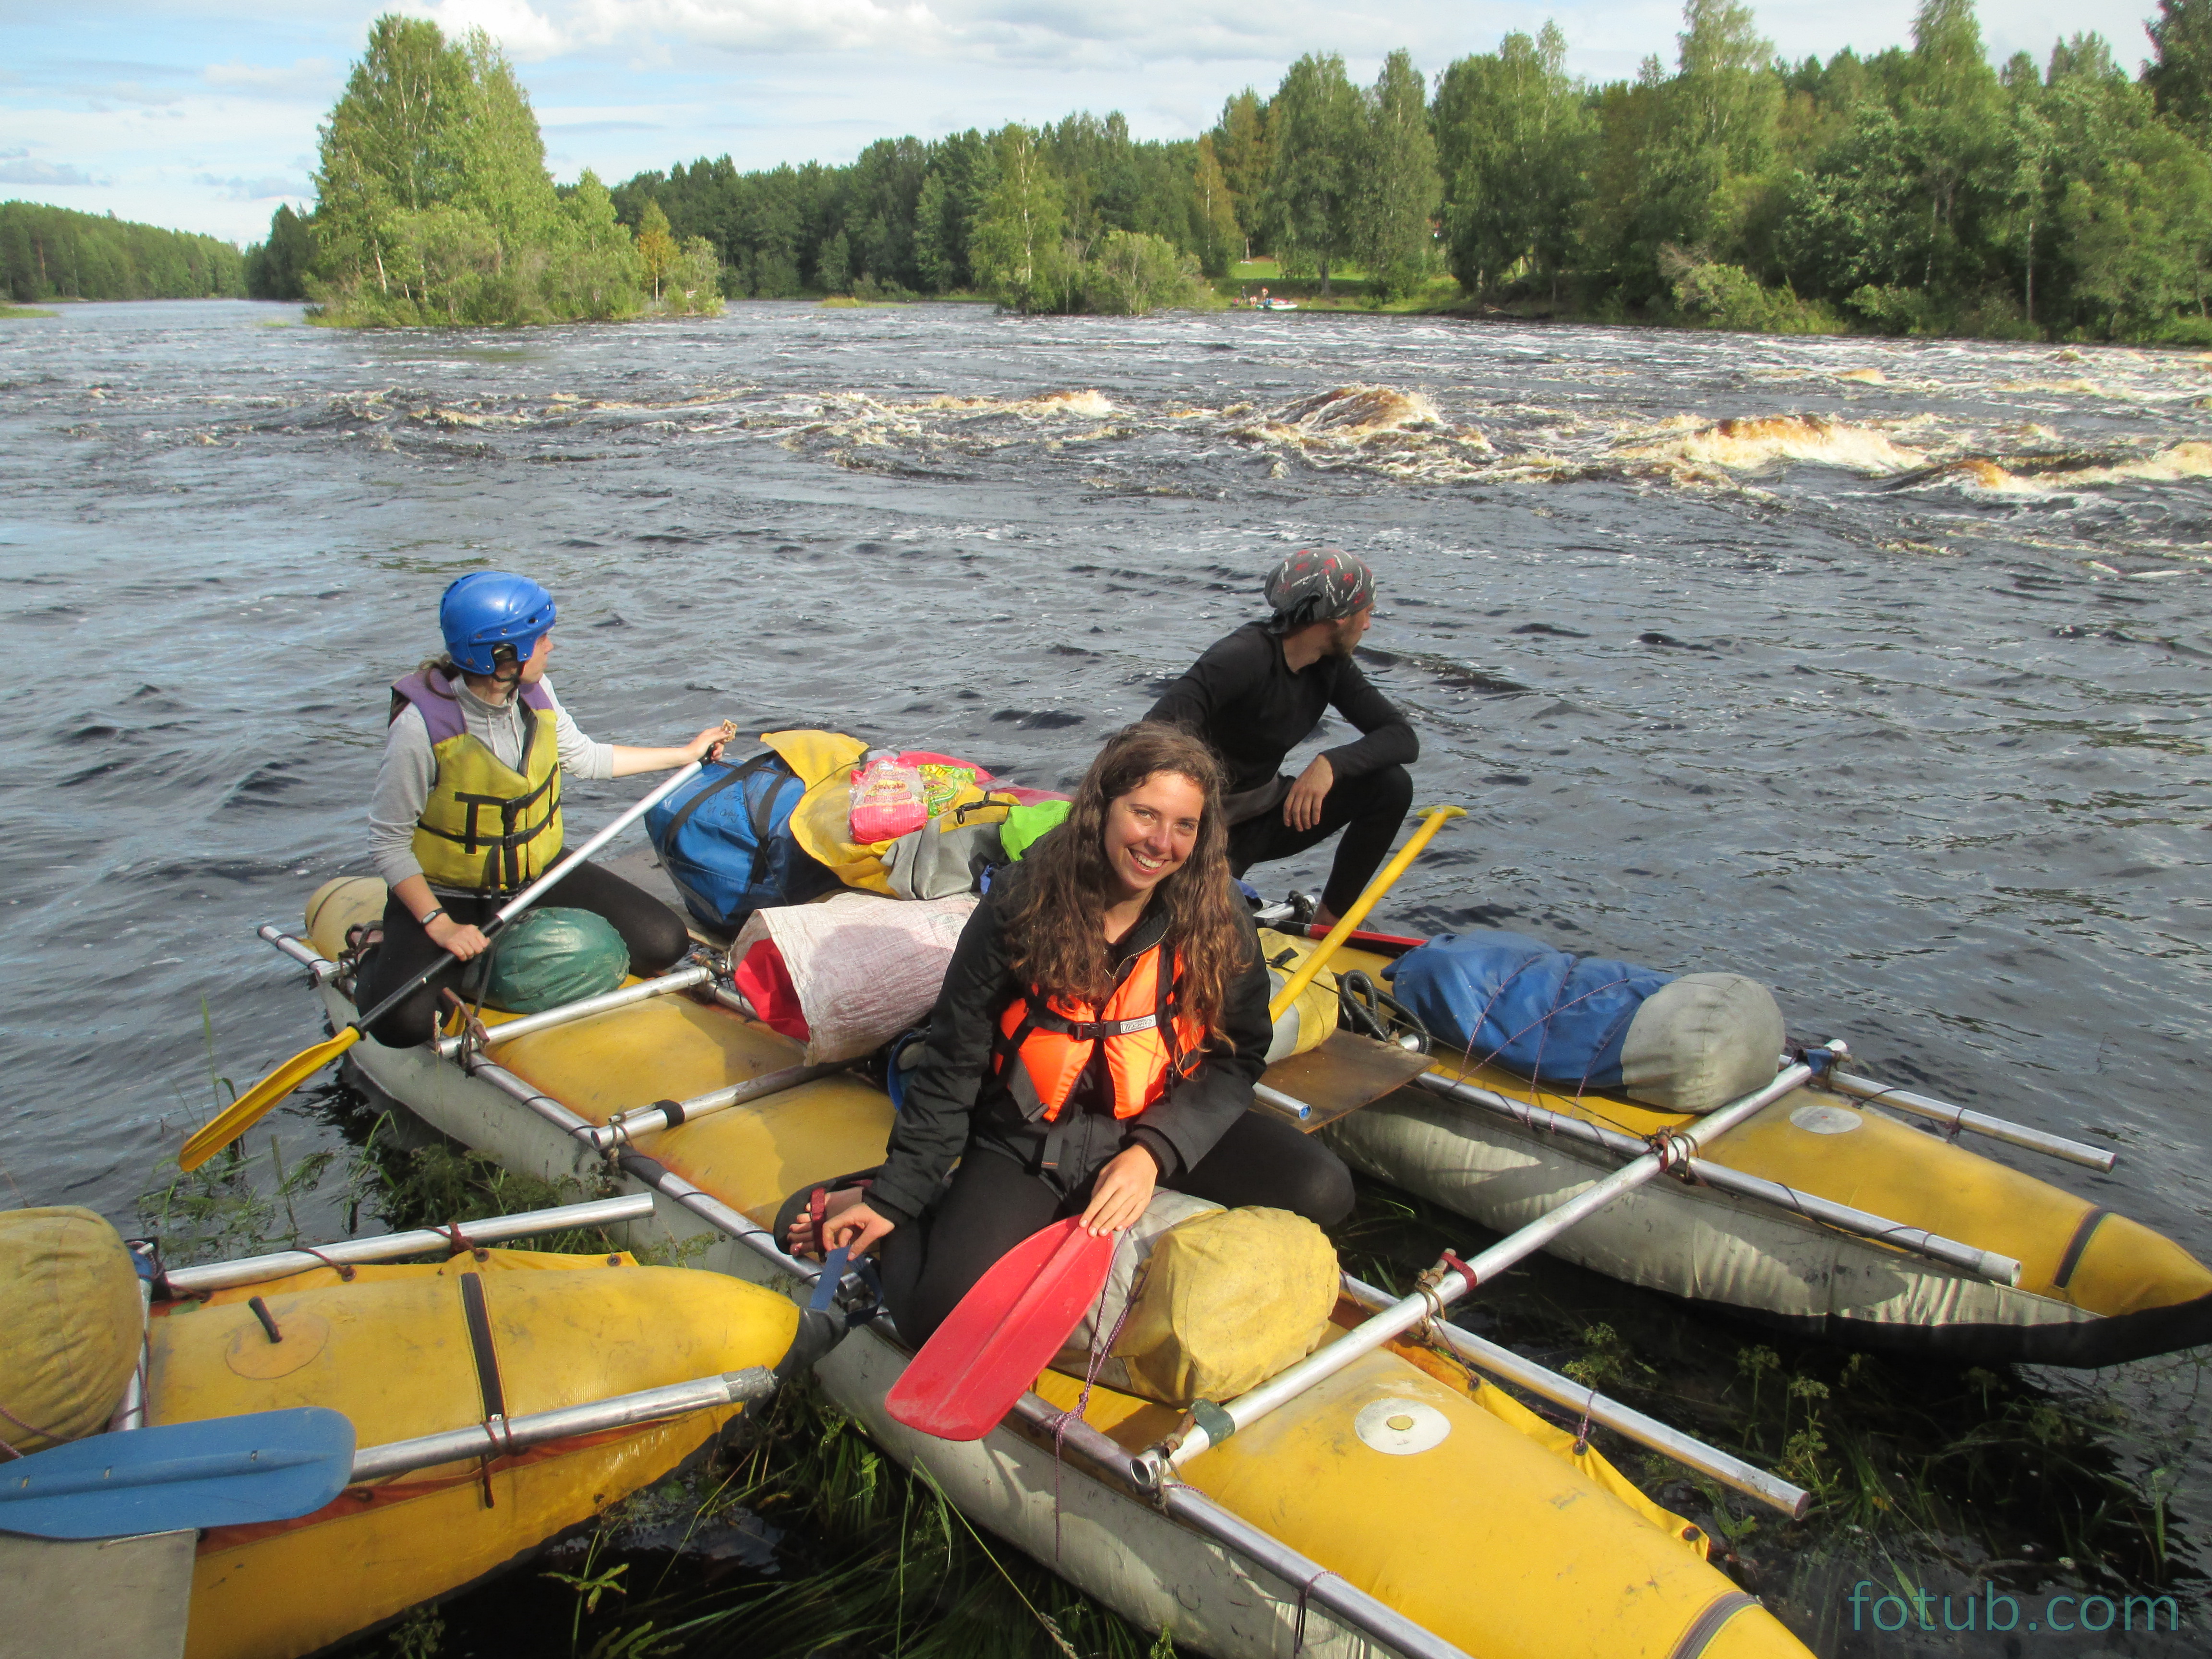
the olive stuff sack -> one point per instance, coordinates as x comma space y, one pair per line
1204, 1303
69, 1301
546, 958
725, 839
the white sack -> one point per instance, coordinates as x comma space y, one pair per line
865, 968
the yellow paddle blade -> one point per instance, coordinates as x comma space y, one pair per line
250, 1108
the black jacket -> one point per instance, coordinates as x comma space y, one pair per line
1241, 697
954, 1107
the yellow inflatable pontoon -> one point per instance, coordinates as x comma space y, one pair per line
496, 1401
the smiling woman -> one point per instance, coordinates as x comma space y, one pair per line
1101, 1027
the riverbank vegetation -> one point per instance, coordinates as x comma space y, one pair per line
53, 254
433, 206
1917, 189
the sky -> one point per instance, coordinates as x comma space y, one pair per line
204, 119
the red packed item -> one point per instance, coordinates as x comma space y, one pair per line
763, 980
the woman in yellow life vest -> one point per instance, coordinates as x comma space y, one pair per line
467, 806
1101, 1024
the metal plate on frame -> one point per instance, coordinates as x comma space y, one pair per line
1339, 1077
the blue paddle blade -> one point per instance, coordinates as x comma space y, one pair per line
226, 1472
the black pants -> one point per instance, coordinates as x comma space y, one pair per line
1369, 809
655, 934
994, 1204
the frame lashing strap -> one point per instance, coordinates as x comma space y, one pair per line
488, 1384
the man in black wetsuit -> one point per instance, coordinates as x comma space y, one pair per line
1258, 693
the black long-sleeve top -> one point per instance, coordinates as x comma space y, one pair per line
953, 1105
1242, 699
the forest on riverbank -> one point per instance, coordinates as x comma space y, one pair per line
55, 253
1920, 189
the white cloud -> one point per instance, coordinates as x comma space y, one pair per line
19, 168
304, 77
527, 33
267, 188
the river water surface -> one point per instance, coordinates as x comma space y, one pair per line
1875, 670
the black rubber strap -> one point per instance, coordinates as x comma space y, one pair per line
1707, 1625
2076, 1245
671, 1110
480, 1344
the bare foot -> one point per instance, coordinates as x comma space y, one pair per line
800, 1240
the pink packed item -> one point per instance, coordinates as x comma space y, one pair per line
895, 795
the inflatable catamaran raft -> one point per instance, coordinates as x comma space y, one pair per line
1398, 1504
1294, 1486
258, 1459
1837, 1217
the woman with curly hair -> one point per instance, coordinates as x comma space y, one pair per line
1101, 1025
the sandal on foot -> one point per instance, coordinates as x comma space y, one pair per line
813, 1202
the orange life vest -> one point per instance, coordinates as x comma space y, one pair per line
1148, 1041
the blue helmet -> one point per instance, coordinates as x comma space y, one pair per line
487, 608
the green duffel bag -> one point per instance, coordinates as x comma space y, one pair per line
544, 958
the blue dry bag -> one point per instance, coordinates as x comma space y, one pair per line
725, 839
1507, 1000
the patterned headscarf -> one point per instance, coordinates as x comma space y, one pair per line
1318, 584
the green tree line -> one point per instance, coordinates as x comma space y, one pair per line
53, 254
1920, 188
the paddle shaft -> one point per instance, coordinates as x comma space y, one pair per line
1462, 1277
537, 889
248, 1109
1433, 819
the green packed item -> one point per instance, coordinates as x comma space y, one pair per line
544, 958
1025, 825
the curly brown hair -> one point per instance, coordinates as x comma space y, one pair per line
1056, 926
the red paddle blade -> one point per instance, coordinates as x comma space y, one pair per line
992, 1347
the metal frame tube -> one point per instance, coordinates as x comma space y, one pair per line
1625, 1420
507, 1030
1286, 1385
389, 1247
502, 1438
1980, 1123
301, 952
1844, 1217
130, 1412
626, 1127
654, 1174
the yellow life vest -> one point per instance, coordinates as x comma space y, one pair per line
487, 827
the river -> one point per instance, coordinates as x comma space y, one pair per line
1874, 669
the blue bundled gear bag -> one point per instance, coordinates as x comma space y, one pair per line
1508, 999
725, 839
